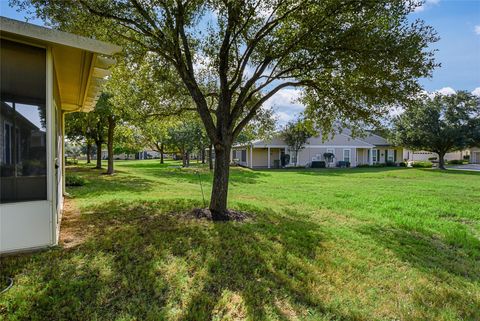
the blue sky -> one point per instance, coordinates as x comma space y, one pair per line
457, 23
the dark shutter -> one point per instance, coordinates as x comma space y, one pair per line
395, 155
378, 155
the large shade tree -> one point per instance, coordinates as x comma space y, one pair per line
352, 58
439, 124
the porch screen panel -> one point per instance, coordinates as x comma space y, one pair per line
23, 159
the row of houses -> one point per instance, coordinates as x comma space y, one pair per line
369, 149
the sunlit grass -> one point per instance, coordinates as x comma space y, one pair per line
353, 244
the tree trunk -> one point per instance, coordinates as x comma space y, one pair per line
441, 160
210, 158
218, 200
161, 153
187, 159
89, 152
203, 155
111, 129
99, 155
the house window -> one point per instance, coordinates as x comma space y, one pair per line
23, 165
390, 155
374, 155
346, 155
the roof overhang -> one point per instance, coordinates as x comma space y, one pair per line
80, 64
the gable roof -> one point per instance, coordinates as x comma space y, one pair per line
341, 138
376, 140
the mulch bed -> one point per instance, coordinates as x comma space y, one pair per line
205, 213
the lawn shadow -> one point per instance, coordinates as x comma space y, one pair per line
194, 175
332, 171
427, 253
98, 184
451, 172
142, 261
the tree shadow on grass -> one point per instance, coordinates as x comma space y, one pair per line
142, 261
427, 253
103, 184
451, 172
147, 165
335, 171
194, 175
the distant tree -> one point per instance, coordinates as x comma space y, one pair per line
155, 135
262, 126
184, 137
73, 150
109, 116
439, 124
128, 140
92, 127
296, 135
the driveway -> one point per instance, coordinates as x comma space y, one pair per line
468, 167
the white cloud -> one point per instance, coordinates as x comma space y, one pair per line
287, 97
446, 91
283, 117
285, 105
425, 5
477, 29
476, 92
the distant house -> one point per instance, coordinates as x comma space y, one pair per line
370, 149
45, 74
475, 155
421, 155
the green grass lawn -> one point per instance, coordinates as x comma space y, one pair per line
352, 244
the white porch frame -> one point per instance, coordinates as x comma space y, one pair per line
268, 156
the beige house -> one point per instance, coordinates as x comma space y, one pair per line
45, 74
370, 149
475, 155
421, 155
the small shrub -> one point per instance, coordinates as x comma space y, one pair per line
71, 162
402, 164
74, 180
432, 159
422, 164
391, 164
379, 165
364, 165
466, 157
455, 162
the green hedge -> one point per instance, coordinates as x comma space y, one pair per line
422, 164
456, 162
74, 180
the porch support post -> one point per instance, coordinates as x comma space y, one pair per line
268, 156
370, 158
231, 155
251, 156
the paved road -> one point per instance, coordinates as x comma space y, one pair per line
469, 167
